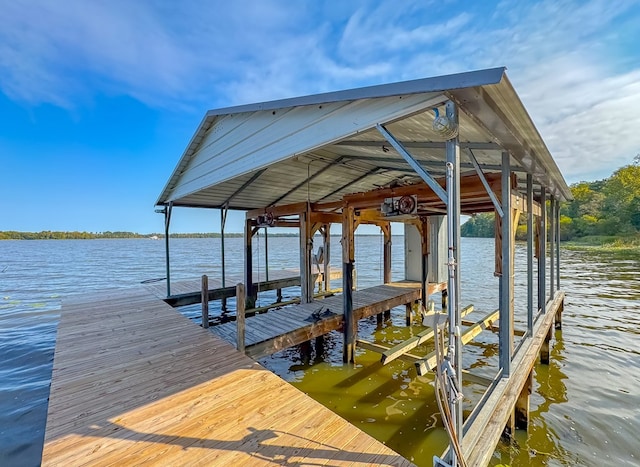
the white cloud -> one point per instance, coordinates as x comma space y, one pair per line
564, 57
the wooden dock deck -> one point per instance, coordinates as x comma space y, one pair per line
188, 291
134, 382
269, 333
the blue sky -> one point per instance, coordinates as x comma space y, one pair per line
98, 99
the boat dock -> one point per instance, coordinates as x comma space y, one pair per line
136, 382
265, 334
189, 291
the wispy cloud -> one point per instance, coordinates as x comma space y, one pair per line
569, 60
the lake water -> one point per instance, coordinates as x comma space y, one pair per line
585, 403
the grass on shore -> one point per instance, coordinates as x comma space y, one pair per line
629, 243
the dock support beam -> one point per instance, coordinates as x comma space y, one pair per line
350, 326
306, 282
167, 221
507, 271
204, 298
452, 147
326, 234
552, 246
248, 264
542, 252
529, 255
425, 260
521, 412
240, 317
223, 221
386, 233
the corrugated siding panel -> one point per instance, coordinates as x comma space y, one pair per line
238, 144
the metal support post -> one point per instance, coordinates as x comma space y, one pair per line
506, 279
223, 221
453, 236
248, 264
552, 248
542, 253
266, 255
167, 222
557, 214
350, 326
529, 255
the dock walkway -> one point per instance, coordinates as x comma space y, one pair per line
134, 382
284, 327
188, 291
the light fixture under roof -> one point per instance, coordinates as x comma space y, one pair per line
444, 126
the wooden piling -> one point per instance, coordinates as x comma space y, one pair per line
248, 264
521, 410
544, 350
240, 316
408, 307
205, 301
350, 326
558, 321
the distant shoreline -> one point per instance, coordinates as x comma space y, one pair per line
61, 235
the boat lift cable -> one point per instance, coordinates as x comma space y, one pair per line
443, 381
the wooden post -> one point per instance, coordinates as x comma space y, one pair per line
521, 410
386, 231
408, 313
544, 351
248, 264
350, 327
424, 230
327, 257
240, 317
558, 324
204, 298
306, 282
278, 295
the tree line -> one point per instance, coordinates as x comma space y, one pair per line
75, 235
608, 207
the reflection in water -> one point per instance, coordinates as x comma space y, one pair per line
584, 404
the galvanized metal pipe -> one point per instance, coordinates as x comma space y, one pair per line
552, 247
542, 253
453, 232
529, 255
506, 279
167, 221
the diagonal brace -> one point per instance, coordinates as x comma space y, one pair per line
483, 179
426, 176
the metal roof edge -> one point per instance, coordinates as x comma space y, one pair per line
205, 123
417, 86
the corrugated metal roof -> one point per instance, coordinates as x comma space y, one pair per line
321, 147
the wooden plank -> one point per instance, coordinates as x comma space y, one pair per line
414, 341
429, 362
486, 423
178, 397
